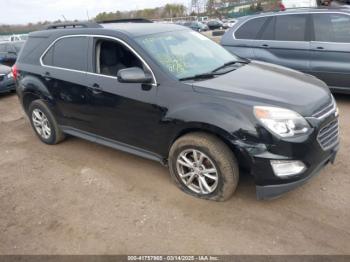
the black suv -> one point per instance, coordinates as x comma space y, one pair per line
167, 93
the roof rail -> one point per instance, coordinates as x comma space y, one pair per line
73, 25
129, 20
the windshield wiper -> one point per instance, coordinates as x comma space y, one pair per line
229, 63
213, 73
198, 77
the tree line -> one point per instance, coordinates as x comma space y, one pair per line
198, 7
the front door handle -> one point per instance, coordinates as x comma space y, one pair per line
265, 45
320, 48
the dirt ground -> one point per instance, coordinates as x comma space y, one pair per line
83, 198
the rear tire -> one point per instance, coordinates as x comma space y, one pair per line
44, 123
204, 166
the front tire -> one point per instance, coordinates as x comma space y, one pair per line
204, 166
44, 123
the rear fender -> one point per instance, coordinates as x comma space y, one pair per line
31, 88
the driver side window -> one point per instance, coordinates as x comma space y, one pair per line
112, 56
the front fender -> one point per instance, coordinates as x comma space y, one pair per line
231, 121
232, 126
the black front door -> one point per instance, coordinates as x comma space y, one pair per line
124, 112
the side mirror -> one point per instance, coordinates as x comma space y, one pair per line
134, 75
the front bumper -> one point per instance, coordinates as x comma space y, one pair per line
257, 156
274, 191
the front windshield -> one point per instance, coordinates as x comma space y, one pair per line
185, 53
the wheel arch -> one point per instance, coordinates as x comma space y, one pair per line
240, 154
32, 88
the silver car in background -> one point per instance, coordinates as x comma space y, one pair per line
314, 41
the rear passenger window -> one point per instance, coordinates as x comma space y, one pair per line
291, 27
68, 53
251, 29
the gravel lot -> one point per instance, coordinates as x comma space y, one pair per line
82, 198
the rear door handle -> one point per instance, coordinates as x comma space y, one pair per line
265, 45
320, 48
96, 89
47, 75
96, 86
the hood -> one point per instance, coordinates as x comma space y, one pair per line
267, 84
4, 70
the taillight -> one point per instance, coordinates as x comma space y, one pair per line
14, 72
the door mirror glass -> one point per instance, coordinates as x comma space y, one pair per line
134, 75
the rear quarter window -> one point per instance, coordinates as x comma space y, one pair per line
251, 28
32, 50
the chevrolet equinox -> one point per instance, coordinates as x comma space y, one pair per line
167, 93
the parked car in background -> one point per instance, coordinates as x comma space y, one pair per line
314, 41
9, 52
16, 38
166, 93
228, 23
215, 24
7, 82
197, 26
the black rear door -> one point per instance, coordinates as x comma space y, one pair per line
64, 72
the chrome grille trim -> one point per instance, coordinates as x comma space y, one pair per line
326, 111
328, 136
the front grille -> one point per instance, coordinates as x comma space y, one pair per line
2, 77
327, 110
328, 136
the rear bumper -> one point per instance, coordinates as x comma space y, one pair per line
273, 191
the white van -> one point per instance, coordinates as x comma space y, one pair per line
288, 4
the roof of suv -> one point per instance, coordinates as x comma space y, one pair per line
139, 29
130, 29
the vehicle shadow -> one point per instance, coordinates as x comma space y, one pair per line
7, 94
342, 97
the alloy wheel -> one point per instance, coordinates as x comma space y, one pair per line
41, 123
197, 171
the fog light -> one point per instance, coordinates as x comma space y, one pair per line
285, 168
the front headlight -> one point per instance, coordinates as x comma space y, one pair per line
281, 121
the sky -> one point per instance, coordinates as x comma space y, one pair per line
25, 11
